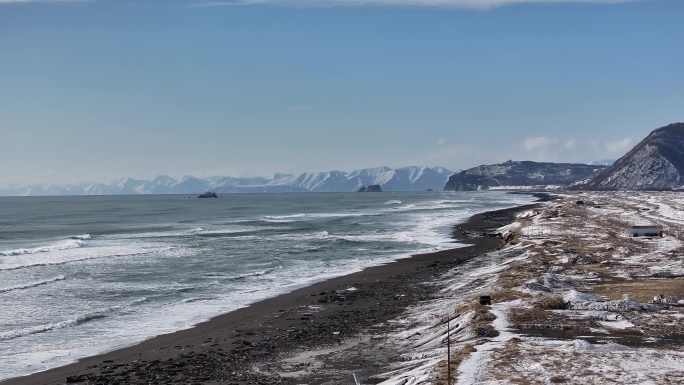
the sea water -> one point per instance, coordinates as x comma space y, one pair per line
82, 275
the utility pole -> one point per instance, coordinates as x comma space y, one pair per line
448, 352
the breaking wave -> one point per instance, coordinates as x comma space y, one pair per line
83, 237
12, 334
32, 284
72, 243
283, 218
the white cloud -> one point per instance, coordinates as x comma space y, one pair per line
231, 3
620, 146
42, 1
571, 144
547, 149
539, 143
458, 155
475, 4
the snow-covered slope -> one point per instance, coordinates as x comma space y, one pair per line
656, 163
402, 179
525, 173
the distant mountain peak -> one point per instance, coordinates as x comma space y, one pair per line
413, 178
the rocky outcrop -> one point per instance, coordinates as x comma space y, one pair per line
521, 173
656, 163
371, 188
208, 194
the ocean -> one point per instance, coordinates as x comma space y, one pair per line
82, 275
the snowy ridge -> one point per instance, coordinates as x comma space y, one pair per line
520, 173
656, 163
414, 178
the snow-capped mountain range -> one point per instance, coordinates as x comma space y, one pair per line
412, 178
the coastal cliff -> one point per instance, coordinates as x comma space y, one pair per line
521, 173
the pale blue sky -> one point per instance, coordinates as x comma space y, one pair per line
95, 90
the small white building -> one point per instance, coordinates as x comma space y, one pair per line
644, 231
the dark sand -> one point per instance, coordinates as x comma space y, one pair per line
227, 349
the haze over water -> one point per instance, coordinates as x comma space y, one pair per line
86, 274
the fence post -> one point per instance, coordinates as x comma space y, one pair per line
448, 352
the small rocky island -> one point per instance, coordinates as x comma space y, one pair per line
371, 188
208, 194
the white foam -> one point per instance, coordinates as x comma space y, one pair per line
60, 245
32, 284
418, 229
36, 329
62, 256
83, 237
283, 218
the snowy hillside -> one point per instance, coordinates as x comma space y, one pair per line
525, 173
402, 179
656, 163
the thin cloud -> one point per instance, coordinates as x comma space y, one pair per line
42, 1
233, 3
543, 148
539, 143
454, 155
473, 4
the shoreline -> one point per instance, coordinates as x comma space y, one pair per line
224, 348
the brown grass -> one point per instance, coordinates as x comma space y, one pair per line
507, 359
520, 317
506, 295
554, 302
640, 290
517, 275
456, 358
481, 323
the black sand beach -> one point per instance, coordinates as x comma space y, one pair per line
226, 349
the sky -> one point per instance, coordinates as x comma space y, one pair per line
101, 89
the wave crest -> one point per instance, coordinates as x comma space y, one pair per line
32, 284
12, 334
283, 218
71, 243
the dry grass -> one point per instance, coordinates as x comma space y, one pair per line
660, 325
523, 318
481, 324
507, 358
517, 275
640, 290
506, 295
441, 378
604, 272
545, 321
554, 302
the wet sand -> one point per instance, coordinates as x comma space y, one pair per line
227, 349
